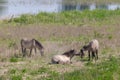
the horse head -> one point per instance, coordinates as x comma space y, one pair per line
84, 48
39, 46
82, 53
70, 53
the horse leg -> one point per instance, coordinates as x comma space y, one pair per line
22, 48
30, 52
93, 54
88, 55
70, 62
24, 51
97, 54
42, 52
35, 49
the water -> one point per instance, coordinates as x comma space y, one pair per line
18, 7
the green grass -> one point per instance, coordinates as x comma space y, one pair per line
101, 71
44, 71
18, 68
15, 59
16, 77
67, 17
39, 71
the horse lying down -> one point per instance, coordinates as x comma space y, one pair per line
64, 58
91, 47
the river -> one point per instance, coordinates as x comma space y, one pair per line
18, 7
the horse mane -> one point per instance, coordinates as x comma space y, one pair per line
86, 47
38, 43
68, 53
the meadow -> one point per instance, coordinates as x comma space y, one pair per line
60, 32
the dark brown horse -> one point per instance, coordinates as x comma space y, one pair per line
30, 44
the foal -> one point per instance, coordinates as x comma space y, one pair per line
30, 44
91, 47
64, 58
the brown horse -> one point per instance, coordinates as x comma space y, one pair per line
91, 47
30, 44
64, 58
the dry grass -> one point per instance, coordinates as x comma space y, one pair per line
56, 40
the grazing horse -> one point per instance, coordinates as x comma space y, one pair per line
91, 47
64, 58
30, 44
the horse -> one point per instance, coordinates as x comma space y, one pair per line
30, 44
64, 58
91, 47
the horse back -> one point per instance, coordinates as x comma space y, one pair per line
26, 43
60, 58
94, 44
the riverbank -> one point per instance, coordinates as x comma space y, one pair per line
86, 17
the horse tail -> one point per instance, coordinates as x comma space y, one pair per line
23, 50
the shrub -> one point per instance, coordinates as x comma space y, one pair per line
16, 77
13, 59
66, 17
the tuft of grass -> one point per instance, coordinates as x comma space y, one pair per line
11, 44
24, 70
98, 35
39, 71
13, 59
110, 36
16, 77
3, 59
107, 50
12, 71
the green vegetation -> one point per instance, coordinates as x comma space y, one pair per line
16, 77
102, 71
56, 40
67, 17
108, 69
91, 1
15, 59
39, 71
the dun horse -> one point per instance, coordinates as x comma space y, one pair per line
64, 58
31, 44
91, 47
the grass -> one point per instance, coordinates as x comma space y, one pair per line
93, 71
58, 33
101, 71
39, 71
13, 59
67, 17
16, 77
